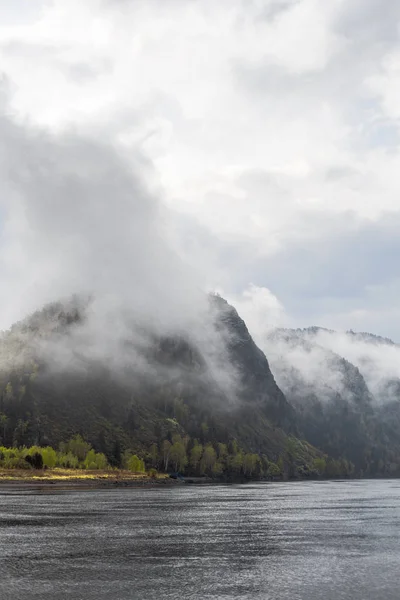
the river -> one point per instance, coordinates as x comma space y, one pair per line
279, 541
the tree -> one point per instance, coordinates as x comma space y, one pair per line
67, 460
233, 447
222, 450
90, 460
166, 448
116, 456
20, 433
208, 460
35, 459
135, 464
250, 463
195, 455
217, 469
49, 457
178, 455
274, 470
236, 462
181, 411
78, 447
154, 455
95, 461
3, 426
333, 468
320, 465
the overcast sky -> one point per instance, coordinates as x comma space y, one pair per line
266, 130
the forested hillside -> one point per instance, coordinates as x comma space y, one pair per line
200, 405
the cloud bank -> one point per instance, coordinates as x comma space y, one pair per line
268, 129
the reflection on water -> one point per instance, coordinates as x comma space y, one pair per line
295, 541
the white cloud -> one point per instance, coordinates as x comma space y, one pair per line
265, 121
261, 311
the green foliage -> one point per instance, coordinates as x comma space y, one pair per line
154, 455
49, 456
12, 458
67, 460
208, 460
135, 464
222, 451
235, 461
319, 465
95, 461
274, 470
77, 446
250, 464
217, 469
183, 455
69, 457
177, 453
166, 449
195, 456
233, 447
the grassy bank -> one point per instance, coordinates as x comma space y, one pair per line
59, 475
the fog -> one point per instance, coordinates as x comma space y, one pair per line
80, 221
241, 152
378, 359
312, 357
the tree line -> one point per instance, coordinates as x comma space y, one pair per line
179, 454
187, 456
74, 454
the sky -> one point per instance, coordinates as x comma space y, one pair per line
245, 146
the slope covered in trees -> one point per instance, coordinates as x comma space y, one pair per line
202, 402
203, 408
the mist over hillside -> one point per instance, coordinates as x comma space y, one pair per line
377, 358
123, 384
344, 386
55, 385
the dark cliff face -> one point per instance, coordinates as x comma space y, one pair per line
258, 388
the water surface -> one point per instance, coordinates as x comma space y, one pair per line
295, 541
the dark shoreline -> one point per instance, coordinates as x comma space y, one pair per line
83, 484
147, 482
98, 484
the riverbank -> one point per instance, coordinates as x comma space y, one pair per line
77, 478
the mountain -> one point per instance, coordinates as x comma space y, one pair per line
125, 386
322, 402
346, 408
